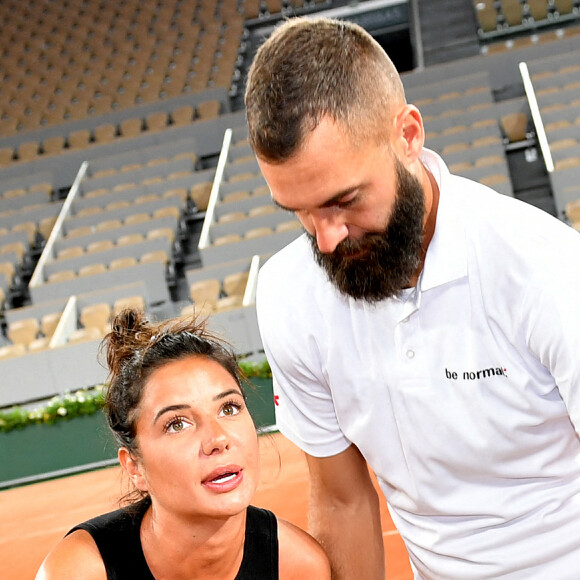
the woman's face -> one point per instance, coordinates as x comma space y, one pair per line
197, 442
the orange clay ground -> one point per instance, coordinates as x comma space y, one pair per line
34, 517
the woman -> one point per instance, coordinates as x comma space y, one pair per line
189, 446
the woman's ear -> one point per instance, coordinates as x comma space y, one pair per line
410, 134
133, 468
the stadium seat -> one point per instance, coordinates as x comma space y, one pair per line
146, 198
6, 156
12, 350
106, 172
28, 151
564, 6
79, 139
228, 303
205, 292
92, 269
8, 269
105, 133
100, 246
227, 239
136, 218
235, 283
258, 232
494, 179
208, 109
200, 193
29, 228
53, 145
17, 247
180, 192
289, 225
235, 196
563, 144
233, 216
156, 121
23, 331
130, 127
86, 211
567, 163
515, 126
96, 193
84, 335
96, 316
241, 177
70, 252
49, 322
156, 256
136, 301
538, 9
182, 115
130, 239
573, 210
125, 262
489, 160
512, 11
169, 211
262, 190
106, 225
79, 231
38, 344
262, 210
61, 276
156, 233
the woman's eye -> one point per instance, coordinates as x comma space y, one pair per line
230, 409
176, 425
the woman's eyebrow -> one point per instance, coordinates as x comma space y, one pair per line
227, 394
169, 408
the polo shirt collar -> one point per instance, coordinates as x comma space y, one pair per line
446, 258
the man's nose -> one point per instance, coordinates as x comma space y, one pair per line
329, 230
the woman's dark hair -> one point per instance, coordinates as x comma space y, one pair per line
135, 347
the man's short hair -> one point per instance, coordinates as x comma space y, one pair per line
314, 68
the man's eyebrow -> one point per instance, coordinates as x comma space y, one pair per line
328, 203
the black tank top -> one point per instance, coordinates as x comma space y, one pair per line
118, 539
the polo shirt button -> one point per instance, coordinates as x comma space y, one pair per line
410, 353
405, 319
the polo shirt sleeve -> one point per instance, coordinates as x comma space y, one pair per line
304, 407
551, 319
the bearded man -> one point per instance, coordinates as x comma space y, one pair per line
424, 325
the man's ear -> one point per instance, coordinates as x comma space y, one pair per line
133, 468
410, 134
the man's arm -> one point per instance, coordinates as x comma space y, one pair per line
345, 515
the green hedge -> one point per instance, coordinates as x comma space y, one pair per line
89, 401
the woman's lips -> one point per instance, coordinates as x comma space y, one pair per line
224, 479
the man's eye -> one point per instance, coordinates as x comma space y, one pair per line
347, 201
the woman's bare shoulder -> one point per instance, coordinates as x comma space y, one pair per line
75, 557
301, 556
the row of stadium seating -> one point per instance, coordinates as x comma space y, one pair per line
508, 16
167, 178
556, 84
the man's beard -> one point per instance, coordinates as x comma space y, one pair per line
381, 265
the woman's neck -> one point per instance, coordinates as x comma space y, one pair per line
180, 548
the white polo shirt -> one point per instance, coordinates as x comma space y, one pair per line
462, 395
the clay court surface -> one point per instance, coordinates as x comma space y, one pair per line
34, 517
